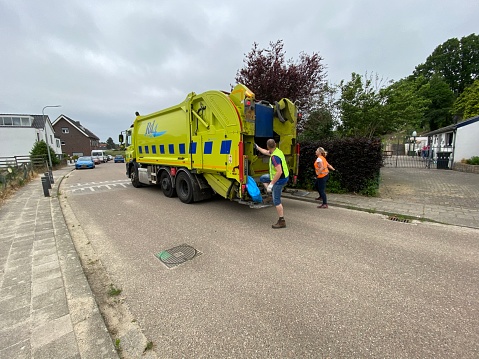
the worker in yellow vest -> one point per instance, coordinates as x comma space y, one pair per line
277, 177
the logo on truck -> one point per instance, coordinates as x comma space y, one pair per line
151, 130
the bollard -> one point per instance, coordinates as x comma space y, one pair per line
47, 176
51, 176
46, 186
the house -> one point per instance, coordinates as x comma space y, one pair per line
76, 140
18, 134
457, 141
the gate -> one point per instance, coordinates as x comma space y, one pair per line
416, 156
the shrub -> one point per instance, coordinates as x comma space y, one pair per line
40, 149
357, 162
474, 160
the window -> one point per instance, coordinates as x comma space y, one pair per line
449, 138
65, 130
57, 142
63, 143
25, 121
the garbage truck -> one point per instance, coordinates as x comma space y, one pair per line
205, 145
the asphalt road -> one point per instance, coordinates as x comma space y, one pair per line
334, 283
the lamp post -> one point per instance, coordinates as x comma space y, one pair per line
414, 134
46, 137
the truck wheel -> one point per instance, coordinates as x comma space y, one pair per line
135, 181
184, 187
166, 185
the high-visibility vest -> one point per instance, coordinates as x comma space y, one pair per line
272, 171
325, 170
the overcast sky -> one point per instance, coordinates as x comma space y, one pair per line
103, 60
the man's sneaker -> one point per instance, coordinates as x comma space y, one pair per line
280, 224
319, 198
323, 206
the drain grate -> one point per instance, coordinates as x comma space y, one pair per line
177, 255
397, 219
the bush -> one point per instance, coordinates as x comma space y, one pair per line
40, 149
474, 160
357, 162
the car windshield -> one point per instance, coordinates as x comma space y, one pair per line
84, 159
119, 156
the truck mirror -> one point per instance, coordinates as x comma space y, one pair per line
120, 138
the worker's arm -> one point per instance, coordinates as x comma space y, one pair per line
277, 176
262, 150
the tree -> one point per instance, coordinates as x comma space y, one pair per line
441, 100
457, 61
322, 120
361, 106
404, 107
110, 145
39, 149
271, 77
467, 105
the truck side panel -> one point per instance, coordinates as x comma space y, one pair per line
163, 138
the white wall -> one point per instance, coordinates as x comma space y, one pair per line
467, 142
16, 141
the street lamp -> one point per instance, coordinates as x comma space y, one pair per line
46, 138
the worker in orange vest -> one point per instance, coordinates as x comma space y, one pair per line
322, 167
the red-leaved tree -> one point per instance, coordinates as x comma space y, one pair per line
271, 77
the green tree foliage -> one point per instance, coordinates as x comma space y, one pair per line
457, 61
110, 145
404, 106
361, 106
40, 149
271, 77
321, 121
467, 105
441, 100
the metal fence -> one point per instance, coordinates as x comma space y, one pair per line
427, 157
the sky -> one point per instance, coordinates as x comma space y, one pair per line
103, 60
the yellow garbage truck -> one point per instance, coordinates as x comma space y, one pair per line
205, 145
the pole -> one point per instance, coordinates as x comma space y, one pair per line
46, 137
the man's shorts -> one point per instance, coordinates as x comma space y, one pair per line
277, 188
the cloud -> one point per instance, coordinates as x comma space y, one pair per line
104, 60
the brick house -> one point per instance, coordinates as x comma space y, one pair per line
76, 140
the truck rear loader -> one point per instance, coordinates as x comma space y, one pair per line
205, 144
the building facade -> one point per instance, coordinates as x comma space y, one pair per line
75, 139
18, 134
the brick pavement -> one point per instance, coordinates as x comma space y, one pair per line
47, 309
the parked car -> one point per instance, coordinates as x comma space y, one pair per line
84, 162
97, 160
100, 154
109, 157
119, 159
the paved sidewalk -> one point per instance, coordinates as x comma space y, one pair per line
47, 309
442, 196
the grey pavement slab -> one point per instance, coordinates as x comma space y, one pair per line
43, 314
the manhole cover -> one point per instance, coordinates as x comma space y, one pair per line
397, 219
177, 255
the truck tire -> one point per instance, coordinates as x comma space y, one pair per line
135, 181
184, 187
166, 185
